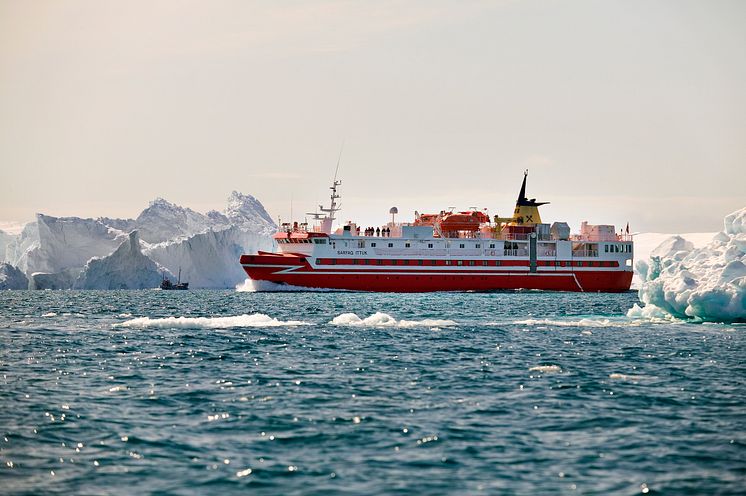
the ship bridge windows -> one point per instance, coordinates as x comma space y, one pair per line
319, 241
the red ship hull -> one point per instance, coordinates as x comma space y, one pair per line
297, 271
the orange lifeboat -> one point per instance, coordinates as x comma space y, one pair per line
463, 221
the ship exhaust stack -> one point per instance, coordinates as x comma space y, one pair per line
526, 211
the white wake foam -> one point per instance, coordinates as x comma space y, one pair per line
252, 286
253, 320
380, 319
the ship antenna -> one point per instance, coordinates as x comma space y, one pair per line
339, 159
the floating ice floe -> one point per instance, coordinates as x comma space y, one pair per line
627, 377
707, 284
253, 320
584, 322
547, 369
380, 319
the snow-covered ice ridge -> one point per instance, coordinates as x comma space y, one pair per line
706, 284
104, 253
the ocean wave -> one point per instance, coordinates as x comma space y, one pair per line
252, 286
253, 320
380, 319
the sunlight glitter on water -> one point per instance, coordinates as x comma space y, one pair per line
373, 403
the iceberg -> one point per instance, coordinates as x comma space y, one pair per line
126, 268
12, 277
73, 252
706, 284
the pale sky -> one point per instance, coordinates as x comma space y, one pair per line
622, 110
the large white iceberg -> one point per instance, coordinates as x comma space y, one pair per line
53, 244
707, 284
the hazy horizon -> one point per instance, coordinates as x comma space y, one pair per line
623, 111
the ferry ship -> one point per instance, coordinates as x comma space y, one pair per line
448, 251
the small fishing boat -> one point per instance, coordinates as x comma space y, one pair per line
168, 285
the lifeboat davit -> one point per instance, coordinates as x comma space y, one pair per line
426, 220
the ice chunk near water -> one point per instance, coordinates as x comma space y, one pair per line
672, 248
380, 319
126, 268
645, 243
64, 279
708, 283
12, 277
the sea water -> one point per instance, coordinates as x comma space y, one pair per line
217, 392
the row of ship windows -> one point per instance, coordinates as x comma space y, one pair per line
429, 245
484, 263
607, 248
618, 249
296, 240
